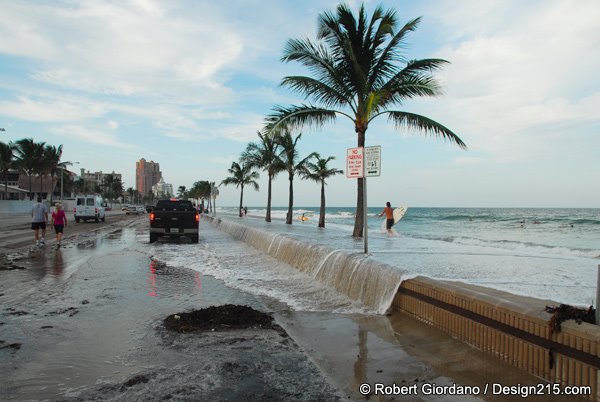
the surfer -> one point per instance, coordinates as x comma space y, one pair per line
389, 216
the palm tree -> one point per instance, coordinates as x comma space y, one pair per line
130, 192
359, 72
214, 192
241, 176
264, 155
181, 192
112, 186
319, 172
7, 161
289, 158
30, 158
51, 164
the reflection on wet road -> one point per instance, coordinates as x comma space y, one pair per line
77, 325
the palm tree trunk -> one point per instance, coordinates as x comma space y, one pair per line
322, 210
241, 200
41, 184
359, 220
291, 201
268, 216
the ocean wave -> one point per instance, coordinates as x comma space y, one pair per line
527, 248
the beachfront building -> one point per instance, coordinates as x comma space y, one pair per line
147, 174
162, 189
93, 182
13, 191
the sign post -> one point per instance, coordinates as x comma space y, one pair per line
362, 163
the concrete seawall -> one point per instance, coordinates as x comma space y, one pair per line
513, 328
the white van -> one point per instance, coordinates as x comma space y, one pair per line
89, 207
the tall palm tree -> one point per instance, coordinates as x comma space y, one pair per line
30, 158
51, 164
264, 155
130, 192
292, 164
214, 192
319, 172
7, 161
360, 72
241, 176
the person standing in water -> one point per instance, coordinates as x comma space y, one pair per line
59, 220
389, 217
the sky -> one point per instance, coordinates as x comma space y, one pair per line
188, 84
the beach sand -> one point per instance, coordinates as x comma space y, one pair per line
86, 323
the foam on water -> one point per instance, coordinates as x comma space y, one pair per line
247, 268
547, 258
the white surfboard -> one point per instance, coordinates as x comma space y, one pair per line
399, 213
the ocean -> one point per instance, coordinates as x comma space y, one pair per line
550, 254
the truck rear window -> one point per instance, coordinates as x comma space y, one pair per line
179, 205
89, 201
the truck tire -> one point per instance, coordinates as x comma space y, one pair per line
76, 220
96, 219
194, 239
153, 237
104, 218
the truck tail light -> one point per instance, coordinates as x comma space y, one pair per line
151, 216
197, 217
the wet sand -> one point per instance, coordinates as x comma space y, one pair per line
88, 322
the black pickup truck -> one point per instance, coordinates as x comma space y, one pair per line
174, 218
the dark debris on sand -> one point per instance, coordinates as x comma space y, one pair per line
565, 312
228, 316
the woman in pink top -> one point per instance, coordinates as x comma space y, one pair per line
59, 220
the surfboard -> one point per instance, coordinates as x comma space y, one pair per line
399, 213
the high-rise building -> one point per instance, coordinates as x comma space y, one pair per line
147, 174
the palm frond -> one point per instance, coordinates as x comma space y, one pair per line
296, 117
424, 124
320, 91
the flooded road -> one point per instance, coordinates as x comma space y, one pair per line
84, 322
88, 321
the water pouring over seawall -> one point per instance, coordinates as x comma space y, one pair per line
360, 278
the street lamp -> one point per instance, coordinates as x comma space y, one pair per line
62, 169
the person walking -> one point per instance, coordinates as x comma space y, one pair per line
39, 215
389, 217
59, 220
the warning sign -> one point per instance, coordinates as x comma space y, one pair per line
355, 163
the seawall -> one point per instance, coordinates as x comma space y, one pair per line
370, 282
513, 328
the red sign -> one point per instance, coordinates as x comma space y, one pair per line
355, 163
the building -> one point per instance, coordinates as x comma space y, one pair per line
91, 181
147, 174
162, 189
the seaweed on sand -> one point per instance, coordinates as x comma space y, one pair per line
565, 312
224, 317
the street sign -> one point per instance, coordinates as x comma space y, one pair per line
373, 161
354, 163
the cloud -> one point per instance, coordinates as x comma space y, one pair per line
92, 136
50, 110
517, 73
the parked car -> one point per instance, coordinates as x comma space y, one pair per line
89, 207
140, 210
124, 207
